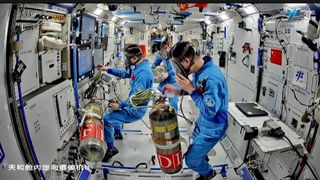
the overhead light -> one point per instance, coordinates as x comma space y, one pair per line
296, 4
114, 18
210, 14
207, 22
224, 16
249, 9
98, 11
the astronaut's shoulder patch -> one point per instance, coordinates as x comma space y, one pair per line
209, 101
139, 87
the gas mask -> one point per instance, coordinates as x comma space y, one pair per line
131, 52
177, 59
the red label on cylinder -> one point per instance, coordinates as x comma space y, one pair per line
170, 161
92, 131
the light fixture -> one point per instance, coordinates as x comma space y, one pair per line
249, 9
208, 22
123, 22
296, 4
224, 16
114, 18
98, 11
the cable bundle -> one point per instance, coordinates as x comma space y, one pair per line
142, 97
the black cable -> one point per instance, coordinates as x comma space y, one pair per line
181, 109
247, 151
245, 57
295, 97
305, 158
282, 99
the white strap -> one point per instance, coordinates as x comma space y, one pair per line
170, 146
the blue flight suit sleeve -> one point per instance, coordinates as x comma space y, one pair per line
209, 103
157, 61
119, 73
141, 83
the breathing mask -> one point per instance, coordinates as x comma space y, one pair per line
131, 52
177, 56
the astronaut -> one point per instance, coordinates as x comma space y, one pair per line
141, 79
169, 76
208, 89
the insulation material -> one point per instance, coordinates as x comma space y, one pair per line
271, 93
291, 114
299, 54
306, 98
303, 78
51, 26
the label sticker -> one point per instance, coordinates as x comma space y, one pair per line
92, 131
299, 77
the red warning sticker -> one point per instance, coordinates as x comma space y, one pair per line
92, 131
170, 161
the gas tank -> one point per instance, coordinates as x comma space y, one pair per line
92, 143
166, 137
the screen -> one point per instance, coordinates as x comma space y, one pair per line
104, 30
87, 27
84, 62
98, 56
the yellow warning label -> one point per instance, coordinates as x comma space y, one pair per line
59, 18
162, 129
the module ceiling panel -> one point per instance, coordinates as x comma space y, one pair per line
162, 19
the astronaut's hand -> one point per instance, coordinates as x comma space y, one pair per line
185, 83
164, 76
115, 106
170, 89
101, 67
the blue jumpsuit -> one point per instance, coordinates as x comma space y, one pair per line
211, 97
170, 80
141, 79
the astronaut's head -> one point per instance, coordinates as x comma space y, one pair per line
164, 47
184, 55
133, 54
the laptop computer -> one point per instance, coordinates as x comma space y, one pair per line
251, 109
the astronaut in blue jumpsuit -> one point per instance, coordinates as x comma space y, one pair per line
208, 89
141, 78
160, 58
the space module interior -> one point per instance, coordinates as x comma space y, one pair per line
51, 90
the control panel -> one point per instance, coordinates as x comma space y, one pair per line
50, 66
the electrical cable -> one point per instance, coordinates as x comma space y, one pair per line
305, 158
287, 63
181, 109
24, 118
145, 124
114, 90
244, 58
295, 97
142, 97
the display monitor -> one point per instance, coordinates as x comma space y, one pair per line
88, 24
85, 63
104, 30
98, 56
